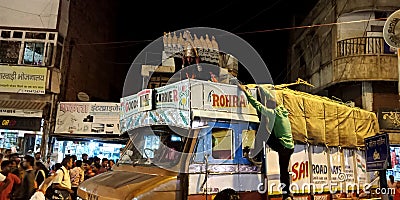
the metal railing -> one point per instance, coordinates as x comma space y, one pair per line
361, 46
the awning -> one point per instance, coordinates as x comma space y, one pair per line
115, 138
24, 101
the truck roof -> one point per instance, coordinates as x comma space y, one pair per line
314, 119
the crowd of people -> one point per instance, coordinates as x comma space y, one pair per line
29, 177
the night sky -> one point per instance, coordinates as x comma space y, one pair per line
150, 19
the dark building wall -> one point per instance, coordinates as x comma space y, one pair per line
90, 54
385, 95
347, 92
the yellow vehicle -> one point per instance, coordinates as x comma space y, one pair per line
187, 140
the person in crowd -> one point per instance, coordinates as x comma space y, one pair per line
49, 163
74, 158
227, 194
391, 184
84, 157
88, 170
96, 160
104, 165
7, 154
1, 157
96, 168
41, 173
4, 183
5, 193
111, 163
41, 191
62, 181
38, 157
397, 192
77, 177
280, 139
27, 188
15, 156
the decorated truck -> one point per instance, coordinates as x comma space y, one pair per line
187, 141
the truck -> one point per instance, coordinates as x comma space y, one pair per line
189, 141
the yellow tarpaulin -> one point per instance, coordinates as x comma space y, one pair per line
320, 120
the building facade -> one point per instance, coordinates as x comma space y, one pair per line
344, 54
50, 52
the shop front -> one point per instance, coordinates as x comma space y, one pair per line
20, 130
389, 122
87, 127
26, 97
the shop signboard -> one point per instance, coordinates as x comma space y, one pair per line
20, 79
377, 152
88, 118
175, 95
20, 123
20, 112
226, 98
389, 119
299, 166
139, 102
320, 172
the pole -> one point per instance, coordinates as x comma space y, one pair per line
398, 70
47, 127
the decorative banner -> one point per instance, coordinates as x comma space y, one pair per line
20, 123
273, 172
175, 95
377, 150
18, 79
168, 116
319, 169
361, 168
299, 165
88, 117
133, 104
337, 172
348, 155
20, 112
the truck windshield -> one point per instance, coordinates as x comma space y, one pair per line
159, 146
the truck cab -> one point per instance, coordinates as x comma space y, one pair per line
186, 142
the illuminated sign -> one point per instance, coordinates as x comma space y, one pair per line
20, 123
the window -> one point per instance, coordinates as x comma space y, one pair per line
248, 138
151, 142
222, 143
6, 34
376, 28
49, 54
33, 53
9, 51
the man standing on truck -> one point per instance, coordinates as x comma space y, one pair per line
281, 139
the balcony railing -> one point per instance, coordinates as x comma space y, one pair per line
362, 46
